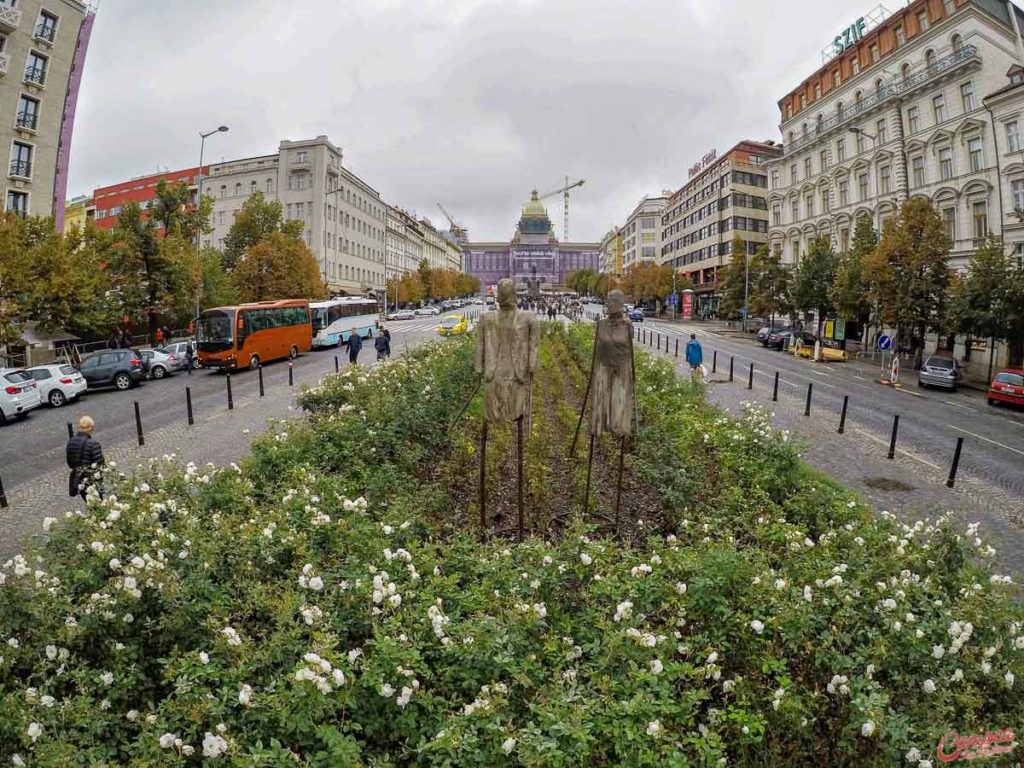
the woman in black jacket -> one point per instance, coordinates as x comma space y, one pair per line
84, 456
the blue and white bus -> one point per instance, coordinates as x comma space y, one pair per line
335, 319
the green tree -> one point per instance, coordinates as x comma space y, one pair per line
279, 266
910, 275
814, 277
172, 210
983, 305
258, 219
850, 292
769, 289
217, 287
733, 288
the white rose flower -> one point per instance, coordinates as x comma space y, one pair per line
867, 728
757, 626
167, 740
586, 560
245, 695
1009, 678
938, 651
386, 690
653, 728
214, 745
913, 755
34, 731
657, 667
508, 745
928, 686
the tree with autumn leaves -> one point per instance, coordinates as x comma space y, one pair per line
430, 283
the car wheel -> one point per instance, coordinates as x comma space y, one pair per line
57, 398
293, 352
992, 402
195, 363
123, 382
4, 418
159, 372
254, 362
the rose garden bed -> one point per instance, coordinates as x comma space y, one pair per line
330, 603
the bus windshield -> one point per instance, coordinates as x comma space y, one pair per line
216, 330
319, 317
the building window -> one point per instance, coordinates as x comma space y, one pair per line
777, 212
826, 203
874, 53
855, 65
929, 60
270, 185
21, 160
841, 150
958, 43
238, 189
35, 68
840, 111
881, 132
220, 218
844, 192
252, 187
817, 91
809, 203
883, 180
974, 153
775, 179
795, 210
917, 164
223, 191
901, 37
922, 21
808, 169
939, 106
949, 216
1018, 194
979, 214
844, 240
860, 142
823, 159
837, 79
950, 6
862, 186
46, 27
946, 163
28, 113
967, 94
803, 102
17, 203
792, 174
1012, 137
913, 119
301, 156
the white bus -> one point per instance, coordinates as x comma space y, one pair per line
335, 319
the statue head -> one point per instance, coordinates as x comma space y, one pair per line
506, 294
614, 301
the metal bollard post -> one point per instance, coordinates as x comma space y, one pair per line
337, 367
71, 431
188, 405
750, 378
842, 416
714, 360
231, 402
731, 361
677, 347
892, 440
3, 496
775, 389
261, 377
291, 379
807, 408
138, 424
949, 482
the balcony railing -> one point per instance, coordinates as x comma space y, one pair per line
21, 168
9, 17
884, 93
27, 120
4, 61
35, 75
46, 32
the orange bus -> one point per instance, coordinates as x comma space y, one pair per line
250, 334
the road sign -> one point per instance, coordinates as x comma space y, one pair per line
884, 343
743, 310
674, 299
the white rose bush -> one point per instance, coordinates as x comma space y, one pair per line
325, 604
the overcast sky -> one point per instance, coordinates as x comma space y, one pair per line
472, 103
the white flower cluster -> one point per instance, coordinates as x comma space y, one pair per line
961, 634
643, 639
309, 580
623, 610
438, 622
358, 505
311, 614
214, 745
321, 673
384, 588
483, 701
233, 637
539, 609
838, 684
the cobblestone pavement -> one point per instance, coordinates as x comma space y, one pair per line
219, 436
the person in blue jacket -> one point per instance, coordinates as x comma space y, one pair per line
694, 353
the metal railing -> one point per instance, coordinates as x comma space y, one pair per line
5, 61
21, 168
884, 93
27, 120
35, 75
46, 32
10, 17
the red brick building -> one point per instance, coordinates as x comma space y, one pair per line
108, 201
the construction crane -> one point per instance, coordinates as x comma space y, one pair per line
458, 232
564, 191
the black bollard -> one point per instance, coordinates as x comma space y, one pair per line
337, 367
842, 416
231, 402
262, 393
731, 361
892, 440
775, 389
71, 431
807, 408
750, 378
677, 347
291, 376
714, 360
3, 496
138, 424
949, 482
188, 405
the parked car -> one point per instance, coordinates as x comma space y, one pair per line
650, 312
939, 371
57, 383
765, 333
428, 310
177, 349
787, 339
453, 325
1007, 387
402, 314
121, 368
19, 394
636, 315
161, 364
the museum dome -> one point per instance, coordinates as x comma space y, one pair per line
534, 207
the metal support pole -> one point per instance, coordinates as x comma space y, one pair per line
337, 365
188, 405
483, 482
138, 424
750, 377
807, 408
262, 393
842, 416
71, 431
949, 482
714, 360
677, 347
731, 361
231, 402
892, 440
3, 495
775, 389
291, 377
519, 454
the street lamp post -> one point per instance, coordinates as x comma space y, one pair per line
199, 208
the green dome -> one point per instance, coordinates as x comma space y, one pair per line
534, 207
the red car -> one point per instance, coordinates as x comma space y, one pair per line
1007, 387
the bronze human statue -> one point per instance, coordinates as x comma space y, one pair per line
611, 388
506, 359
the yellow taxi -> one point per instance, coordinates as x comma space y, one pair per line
453, 325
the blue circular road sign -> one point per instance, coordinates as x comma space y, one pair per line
884, 343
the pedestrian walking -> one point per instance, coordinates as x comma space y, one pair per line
123, 340
190, 354
159, 337
84, 456
383, 346
113, 342
694, 354
354, 344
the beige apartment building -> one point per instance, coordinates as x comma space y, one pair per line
641, 234
403, 242
724, 198
611, 252
42, 53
